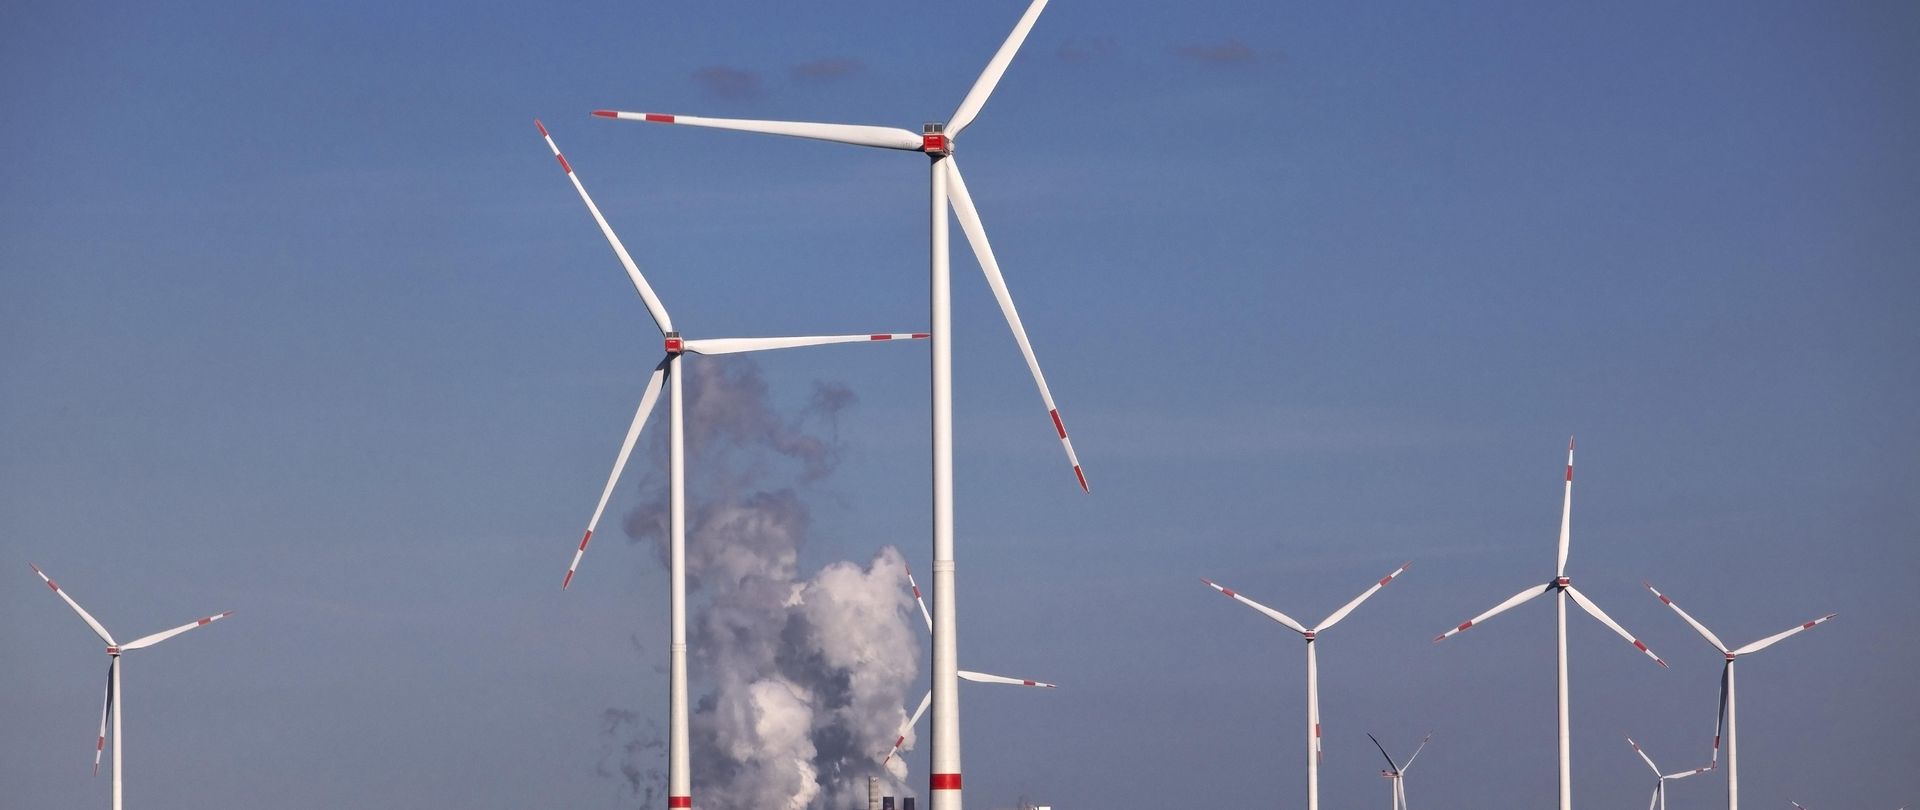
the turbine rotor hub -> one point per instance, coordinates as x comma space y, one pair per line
113, 650
1563, 583
674, 344
1309, 634
1731, 656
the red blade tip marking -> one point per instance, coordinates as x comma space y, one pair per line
659, 119
568, 581
606, 114
543, 127
1083, 479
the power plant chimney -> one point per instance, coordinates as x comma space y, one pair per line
873, 793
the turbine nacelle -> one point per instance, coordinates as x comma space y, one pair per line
113, 650
674, 344
1563, 583
934, 140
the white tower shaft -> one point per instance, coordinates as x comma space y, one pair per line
1733, 763
944, 779
679, 777
1566, 734
1313, 729
119, 708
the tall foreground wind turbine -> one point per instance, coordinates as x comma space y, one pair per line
965, 675
1397, 772
1727, 694
1313, 667
1562, 587
1659, 799
114, 703
679, 781
937, 142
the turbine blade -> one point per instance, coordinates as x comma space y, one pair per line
1688, 618
855, 134
981, 677
1595, 611
710, 346
1383, 752
1416, 752
1503, 607
647, 400
1566, 514
1684, 774
925, 701
654, 307
983, 251
106, 710
98, 630
1776, 637
996, 67
156, 638
917, 598
1271, 613
1645, 758
1348, 608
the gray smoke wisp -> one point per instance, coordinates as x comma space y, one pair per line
800, 681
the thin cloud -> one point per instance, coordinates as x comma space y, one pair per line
721, 81
826, 70
1228, 53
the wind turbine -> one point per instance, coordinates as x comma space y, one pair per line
1397, 772
965, 675
936, 140
113, 695
1727, 695
1562, 587
679, 781
1659, 798
1313, 667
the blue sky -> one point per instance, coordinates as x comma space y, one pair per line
297, 319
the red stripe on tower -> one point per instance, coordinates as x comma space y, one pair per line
945, 781
679, 801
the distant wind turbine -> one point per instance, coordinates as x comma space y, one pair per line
1562, 587
1659, 799
1313, 667
1728, 704
679, 780
1396, 772
114, 703
965, 675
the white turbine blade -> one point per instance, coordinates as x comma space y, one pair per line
1695, 623
98, 630
1645, 758
620, 463
1775, 638
1348, 608
1512, 602
1416, 752
156, 638
982, 251
640, 285
925, 701
996, 67
1684, 774
1566, 514
1797, 804
106, 709
981, 677
1271, 613
1595, 611
710, 346
1383, 752
917, 598
855, 134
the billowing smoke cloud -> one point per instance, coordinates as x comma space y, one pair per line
804, 678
